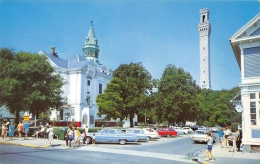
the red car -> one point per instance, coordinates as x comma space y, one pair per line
167, 132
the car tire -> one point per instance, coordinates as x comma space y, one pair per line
122, 141
168, 135
88, 140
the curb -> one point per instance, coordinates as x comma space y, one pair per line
28, 145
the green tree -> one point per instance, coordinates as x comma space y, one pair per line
110, 103
178, 95
28, 83
127, 89
217, 109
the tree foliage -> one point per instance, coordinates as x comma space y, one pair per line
124, 96
28, 83
177, 95
217, 109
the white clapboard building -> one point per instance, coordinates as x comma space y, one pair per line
246, 46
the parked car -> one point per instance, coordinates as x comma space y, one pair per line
139, 132
201, 136
202, 128
189, 129
151, 133
181, 129
113, 136
194, 127
214, 129
179, 132
167, 132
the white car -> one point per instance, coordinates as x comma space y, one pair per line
151, 133
202, 128
189, 129
214, 129
201, 136
185, 131
139, 132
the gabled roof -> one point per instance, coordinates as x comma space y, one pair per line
246, 34
76, 61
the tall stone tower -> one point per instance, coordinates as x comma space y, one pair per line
204, 33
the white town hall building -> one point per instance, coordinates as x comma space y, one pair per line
85, 78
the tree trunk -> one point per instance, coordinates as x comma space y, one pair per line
131, 121
17, 117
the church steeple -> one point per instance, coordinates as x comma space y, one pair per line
90, 48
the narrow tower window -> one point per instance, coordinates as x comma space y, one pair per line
203, 18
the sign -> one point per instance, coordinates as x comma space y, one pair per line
26, 118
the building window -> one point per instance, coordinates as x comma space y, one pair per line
100, 89
91, 119
252, 95
72, 111
253, 112
88, 82
61, 114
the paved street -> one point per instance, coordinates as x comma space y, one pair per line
164, 150
176, 150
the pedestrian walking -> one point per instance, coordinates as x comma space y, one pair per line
231, 141
26, 130
209, 148
11, 131
84, 138
20, 129
76, 137
239, 140
226, 133
4, 132
220, 136
7, 131
51, 135
94, 139
70, 137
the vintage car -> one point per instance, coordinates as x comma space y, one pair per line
167, 132
139, 132
214, 128
151, 133
201, 136
189, 129
185, 131
113, 136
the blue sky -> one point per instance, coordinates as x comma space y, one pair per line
156, 33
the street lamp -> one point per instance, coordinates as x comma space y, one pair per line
67, 114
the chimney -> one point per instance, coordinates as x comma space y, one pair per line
53, 51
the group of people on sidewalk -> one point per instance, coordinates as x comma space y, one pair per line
9, 129
73, 136
231, 142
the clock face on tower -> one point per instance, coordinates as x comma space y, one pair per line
239, 108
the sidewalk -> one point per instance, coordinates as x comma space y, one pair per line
33, 142
223, 156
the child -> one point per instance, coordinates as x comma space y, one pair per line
84, 137
93, 139
231, 142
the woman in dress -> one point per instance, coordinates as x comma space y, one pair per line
11, 131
